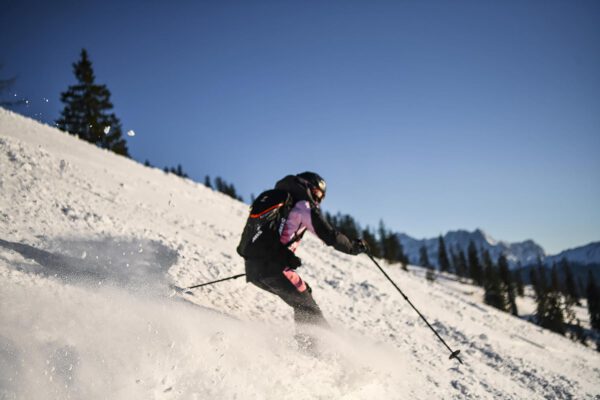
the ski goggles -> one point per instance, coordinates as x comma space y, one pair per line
318, 195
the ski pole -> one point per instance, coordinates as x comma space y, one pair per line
217, 281
453, 354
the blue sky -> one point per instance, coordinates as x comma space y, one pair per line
430, 115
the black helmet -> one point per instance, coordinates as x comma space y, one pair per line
317, 185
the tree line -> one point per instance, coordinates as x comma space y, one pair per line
555, 298
88, 114
383, 243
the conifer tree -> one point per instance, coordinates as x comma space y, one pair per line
570, 287
176, 171
570, 298
538, 282
348, 225
443, 260
461, 265
383, 242
424, 261
492, 285
518, 280
581, 287
593, 300
207, 182
553, 319
424, 257
453, 260
475, 270
227, 188
402, 257
390, 244
369, 237
344, 223
486, 259
87, 110
508, 284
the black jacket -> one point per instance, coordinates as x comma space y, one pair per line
300, 191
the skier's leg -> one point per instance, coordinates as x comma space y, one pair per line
290, 287
297, 294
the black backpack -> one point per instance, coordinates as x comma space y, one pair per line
268, 214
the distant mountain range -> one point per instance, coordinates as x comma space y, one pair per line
520, 253
588, 254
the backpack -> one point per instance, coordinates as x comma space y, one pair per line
268, 214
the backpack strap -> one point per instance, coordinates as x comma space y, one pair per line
296, 238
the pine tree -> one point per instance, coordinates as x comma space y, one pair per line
593, 300
424, 257
508, 284
492, 285
402, 257
383, 242
486, 259
443, 255
226, 188
453, 260
87, 110
461, 265
538, 282
344, 223
518, 280
553, 319
570, 287
179, 171
349, 226
369, 237
475, 270
581, 287
176, 171
424, 261
390, 245
207, 182
570, 298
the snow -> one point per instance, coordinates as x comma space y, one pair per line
588, 254
90, 241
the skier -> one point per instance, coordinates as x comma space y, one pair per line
275, 270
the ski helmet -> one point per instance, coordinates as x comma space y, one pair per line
317, 185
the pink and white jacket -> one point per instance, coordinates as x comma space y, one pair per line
302, 218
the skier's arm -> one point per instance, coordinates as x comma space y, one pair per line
328, 234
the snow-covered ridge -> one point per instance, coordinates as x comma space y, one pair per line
520, 253
588, 254
89, 242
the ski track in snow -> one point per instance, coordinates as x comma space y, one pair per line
90, 243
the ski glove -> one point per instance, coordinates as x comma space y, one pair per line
359, 246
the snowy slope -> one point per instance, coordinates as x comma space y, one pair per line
89, 242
